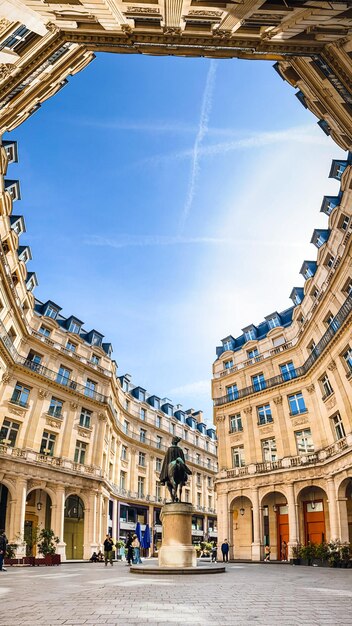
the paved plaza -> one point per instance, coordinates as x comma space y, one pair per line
263, 594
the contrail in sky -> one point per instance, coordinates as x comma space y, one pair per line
202, 130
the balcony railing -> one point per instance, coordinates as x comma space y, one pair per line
339, 319
268, 354
30, 456
302, 460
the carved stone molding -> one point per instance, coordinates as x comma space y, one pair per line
278, 400
5, 70
220, 418
102, 417
236, 438
330, 403
173, 31
127, 29
332, 366
311, 388
4, 23
248, 410
16, 411
42, 393
73, 405
52, 28
6, 377
54, 423
83, 432
267, 430
299, 421
143, 10
204, 13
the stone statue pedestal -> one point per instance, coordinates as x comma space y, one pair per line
177, 549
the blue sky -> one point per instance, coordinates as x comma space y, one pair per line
170, 202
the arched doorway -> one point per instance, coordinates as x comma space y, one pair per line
313, 515
345, 509
275, 522
241, 528
4, 508
74, 527
37, 517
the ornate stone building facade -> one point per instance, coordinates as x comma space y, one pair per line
42, 43
283, 405
80, 446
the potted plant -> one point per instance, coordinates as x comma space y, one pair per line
47, 547
334, 554
307, 554
321, 555
119, 545
296, 554
345, 552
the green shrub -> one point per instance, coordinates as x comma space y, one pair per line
47, 542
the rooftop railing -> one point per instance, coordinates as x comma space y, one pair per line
268, 354
333, 329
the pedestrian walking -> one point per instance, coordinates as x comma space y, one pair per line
136, 550
129, 555
225, 548
108, 546
3, 546
214, 551
267, 554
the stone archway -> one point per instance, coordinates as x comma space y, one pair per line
313, 515
74, 527
4, 507
241, 528
344, 502
37, 517
275, 524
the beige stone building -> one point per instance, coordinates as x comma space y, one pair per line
283, 405
81, 447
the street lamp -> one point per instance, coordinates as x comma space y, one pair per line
39, 504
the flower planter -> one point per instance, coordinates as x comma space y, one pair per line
296, 561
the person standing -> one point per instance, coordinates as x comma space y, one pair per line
108, 546
129, 556
3, 546
214, 552
136, 550
225, 548
267, 552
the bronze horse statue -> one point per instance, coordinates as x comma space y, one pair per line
174, 471
177, 478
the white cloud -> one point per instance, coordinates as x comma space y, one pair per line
202, 130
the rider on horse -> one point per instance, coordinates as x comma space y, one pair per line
174, 470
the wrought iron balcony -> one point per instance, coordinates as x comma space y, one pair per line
319, 349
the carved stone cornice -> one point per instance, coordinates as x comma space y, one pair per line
6, 377
248, 410
43, 393
311, 388
73, 406
220, 419
102, 417
332, 366
5, 70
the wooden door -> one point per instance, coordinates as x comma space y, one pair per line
314, 522
283, 532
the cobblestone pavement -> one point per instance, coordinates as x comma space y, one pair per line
91, 594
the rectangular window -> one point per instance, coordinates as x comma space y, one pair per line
95, 359
238, 456
269, 450
71, 346
85, 417
296, 403
236, 423
210, 502
186, 451
51, 312
74, 327
249, 335
123, 480
158, 421
228, 364
44, 331
199, 479
142, 435
209, 482
199, 499
142, 413
304, 441
232, 392
141, 481
348, 359
252, 354
80, 451
338, 426
348, 287
55, 408
158, 441
264, 414
90, 388
127, 405
288, 371
126, 426
158, 464
20, 395
158, 490
48, 443
187, 495
258, 382
9, 432
198, 458
123, 453
141, 459
63, 375
34, 358
326, 386
208, 463
273, 322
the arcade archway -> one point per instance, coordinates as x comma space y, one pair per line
74, 527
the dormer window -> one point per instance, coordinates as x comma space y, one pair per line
74, 327
31, 281
308, 273
273, 322
13, 188
11, 148
227, 345
250, 334
50, 311
329, 203
17, 224
96, 339
337, 169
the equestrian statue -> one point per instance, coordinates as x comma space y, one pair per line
174, 472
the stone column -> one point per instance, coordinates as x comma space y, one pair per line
93, 505
339, 386
334, 532
280, 427
248, 434
115, 531
256, 545
19, 516
343, 519
99, 440
223, 520
292, 519
58, 521
86, 532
